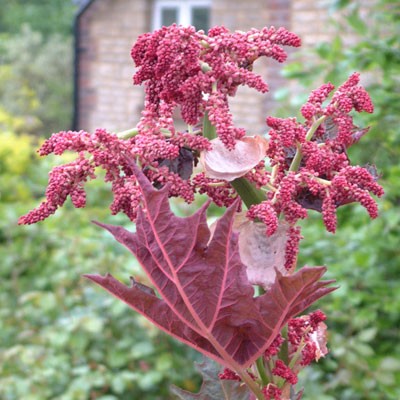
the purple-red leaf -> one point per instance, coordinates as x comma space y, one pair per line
204, 297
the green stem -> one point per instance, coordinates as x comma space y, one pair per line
269, 367
253, 386
314, 127
248, 192
261, 371
296, 356
128, 133
166, 132
268, 187
217, 184
205, 44
294, 166
204, 66
322, 181
274, 173
284, 352
209, 130
135, 131
259, 290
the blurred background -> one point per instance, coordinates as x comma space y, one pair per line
61, 337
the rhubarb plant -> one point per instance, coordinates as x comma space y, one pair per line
231, 290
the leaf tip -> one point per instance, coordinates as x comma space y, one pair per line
97, 278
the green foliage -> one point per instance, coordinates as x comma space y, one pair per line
15, 157
36, 80
60, 337
45, 16
363, 315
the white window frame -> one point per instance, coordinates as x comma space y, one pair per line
184, 8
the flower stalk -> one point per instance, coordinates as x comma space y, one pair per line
262, 371
128, 133
209, 130
294, 166
249, 194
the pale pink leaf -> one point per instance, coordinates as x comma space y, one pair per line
221, 163
319, 338
263, 255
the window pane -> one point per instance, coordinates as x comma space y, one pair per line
201, 18
169, 15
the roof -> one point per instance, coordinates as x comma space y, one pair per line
85, 4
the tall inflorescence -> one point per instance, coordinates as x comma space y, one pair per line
310, 165
180, 68
197, 73
164, 160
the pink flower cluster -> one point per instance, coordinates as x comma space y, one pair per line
221, 193
164, 161
64, 180
228, 374
180, 68
272, 392
306, 343
197, 72
311, 169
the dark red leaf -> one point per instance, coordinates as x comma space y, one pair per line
206, 299
181, 165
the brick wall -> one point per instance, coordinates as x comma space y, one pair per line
108, 28
106, 95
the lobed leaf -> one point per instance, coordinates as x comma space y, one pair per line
204, 297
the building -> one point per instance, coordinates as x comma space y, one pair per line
106, 30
